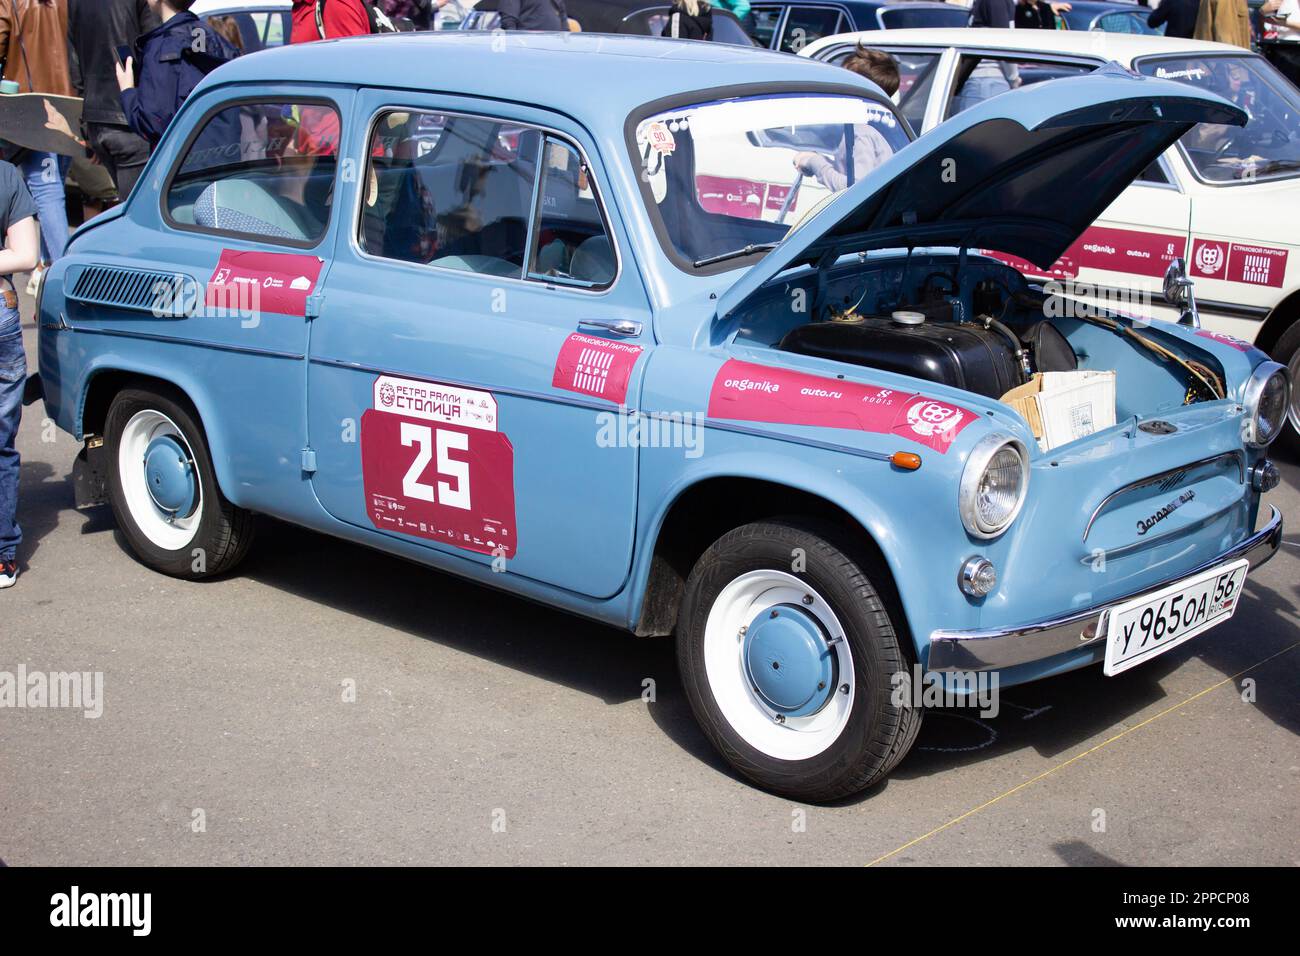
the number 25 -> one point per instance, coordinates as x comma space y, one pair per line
412, 487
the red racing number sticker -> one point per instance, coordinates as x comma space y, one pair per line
435, 466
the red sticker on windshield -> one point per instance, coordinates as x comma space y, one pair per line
759, 393
434, 466
263, 281
595, 367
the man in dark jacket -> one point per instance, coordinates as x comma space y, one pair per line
1034, 15
173, 59
1179, 17
534, 15
993, 13
95, 29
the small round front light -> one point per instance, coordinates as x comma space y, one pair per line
977, 577
1267, 398
993, 485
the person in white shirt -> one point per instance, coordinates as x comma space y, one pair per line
1284, 17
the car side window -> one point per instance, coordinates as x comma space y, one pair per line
766, 20
263, 170
250, 31
570, 243
916, 73
1154, 174
979, 78
450, 191
457, 192
806, 24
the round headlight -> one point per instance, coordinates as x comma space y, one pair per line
993, 485
1267, 398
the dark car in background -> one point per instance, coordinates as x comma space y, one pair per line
1107, 17
635, 17
790, 26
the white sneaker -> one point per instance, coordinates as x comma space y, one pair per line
8, 574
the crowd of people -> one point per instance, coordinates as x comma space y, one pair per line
134, 62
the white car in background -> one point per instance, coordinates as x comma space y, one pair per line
1226, 200
262, 23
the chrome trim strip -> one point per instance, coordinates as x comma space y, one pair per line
196, 343
1202, 305
1161, 476
794, 440
462, 383
995, 648
1232, 308
600, 407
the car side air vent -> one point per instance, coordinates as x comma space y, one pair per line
163, 294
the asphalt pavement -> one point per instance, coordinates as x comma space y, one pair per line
333, 705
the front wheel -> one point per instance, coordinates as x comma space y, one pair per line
788, 657
164, 490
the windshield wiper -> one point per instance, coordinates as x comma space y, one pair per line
736, 253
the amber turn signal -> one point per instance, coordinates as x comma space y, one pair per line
905, 460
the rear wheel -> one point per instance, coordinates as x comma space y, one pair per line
788, 656
164, 491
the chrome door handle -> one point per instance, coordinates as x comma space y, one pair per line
615, 326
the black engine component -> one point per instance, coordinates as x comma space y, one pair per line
962, 355
1051, 350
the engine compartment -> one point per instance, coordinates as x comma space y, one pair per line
972, 323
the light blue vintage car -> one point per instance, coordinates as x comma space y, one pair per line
561, 315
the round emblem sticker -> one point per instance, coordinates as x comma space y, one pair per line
1209, 258
933, 418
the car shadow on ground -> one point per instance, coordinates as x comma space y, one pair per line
1053, 717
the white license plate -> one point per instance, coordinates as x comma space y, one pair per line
1149, 626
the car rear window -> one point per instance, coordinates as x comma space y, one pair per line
263, 170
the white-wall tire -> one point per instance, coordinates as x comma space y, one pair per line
207, 536
850, 740
762, 726
169, 532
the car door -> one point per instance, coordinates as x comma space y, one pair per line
468, 378
243, 204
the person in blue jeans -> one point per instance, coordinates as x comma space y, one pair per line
44, 174
19, 254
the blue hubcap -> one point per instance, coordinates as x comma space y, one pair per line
789, 660
170, 477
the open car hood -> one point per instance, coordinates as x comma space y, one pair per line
1023, 173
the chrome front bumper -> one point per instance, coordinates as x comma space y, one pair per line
998, 648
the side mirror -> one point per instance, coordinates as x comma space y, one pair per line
1178, 293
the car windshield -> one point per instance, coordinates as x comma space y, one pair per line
726, 179
1268, 146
